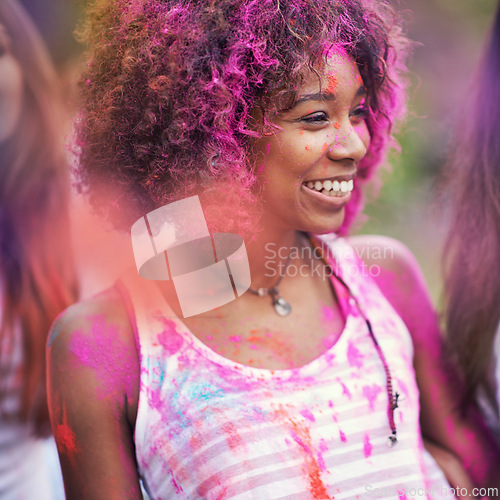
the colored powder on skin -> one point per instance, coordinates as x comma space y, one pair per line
103, 350
332, 84
371, 393
325, 147
65, 438
327, 314
278, 348
337, 125
367, 446
308, 148
354, 357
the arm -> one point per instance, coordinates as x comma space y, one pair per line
401, 281
93, 384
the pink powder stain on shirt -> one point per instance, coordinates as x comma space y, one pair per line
233, 438
322, 448
307, 414
354, 357
169, 339
345, 390
342, 436
371, 392
311, 468
367, 446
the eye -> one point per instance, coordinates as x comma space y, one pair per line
315, 118
359, 113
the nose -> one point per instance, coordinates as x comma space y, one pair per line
349, 142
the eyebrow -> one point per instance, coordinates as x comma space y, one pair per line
324, 96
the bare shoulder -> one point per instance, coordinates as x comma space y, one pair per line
94, 340
93, 386
389, 254
397, 273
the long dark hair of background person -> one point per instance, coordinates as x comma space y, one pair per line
473, 245
36, 270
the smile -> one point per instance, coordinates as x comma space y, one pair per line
331, 188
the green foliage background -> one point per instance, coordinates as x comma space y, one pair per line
411, 206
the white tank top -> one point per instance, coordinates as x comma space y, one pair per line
211, 428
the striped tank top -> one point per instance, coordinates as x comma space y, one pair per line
211, 428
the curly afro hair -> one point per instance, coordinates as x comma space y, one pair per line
170, 87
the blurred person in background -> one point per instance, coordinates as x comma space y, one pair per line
472, 252
37, 280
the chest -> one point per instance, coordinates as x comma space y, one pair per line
250, 331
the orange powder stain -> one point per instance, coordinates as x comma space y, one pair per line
301, 435
359, 79
279, 348
308, 148
301, 132
65, 438
336, 125
325, 147
332, 84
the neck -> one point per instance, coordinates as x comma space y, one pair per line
268, 256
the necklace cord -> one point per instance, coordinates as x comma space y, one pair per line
391, 396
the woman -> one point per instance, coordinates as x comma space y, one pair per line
473, 245
274, 114
36, 274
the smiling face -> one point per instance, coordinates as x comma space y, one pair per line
307, 167
11, 88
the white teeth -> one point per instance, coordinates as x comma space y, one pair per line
331, 188
327, 185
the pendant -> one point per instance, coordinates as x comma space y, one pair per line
281, 306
